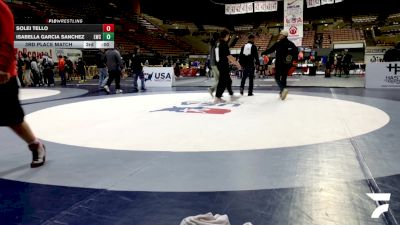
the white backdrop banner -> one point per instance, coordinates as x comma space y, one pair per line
313, 3
159, 76
227, 9
243, 8
271, 6
325, 2
237, 8
297, 41
250, 8
265, 6
382, 75
293, 18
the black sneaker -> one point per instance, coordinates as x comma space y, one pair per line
241, 91
251, 94
38, 154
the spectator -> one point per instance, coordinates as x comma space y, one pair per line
137, 70
392, 55
61, 70
80, 67
101, 63
35, 72
114, 65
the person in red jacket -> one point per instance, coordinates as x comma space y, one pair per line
61, 70
11, 113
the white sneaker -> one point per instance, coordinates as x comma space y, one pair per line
234, 98
38, 154
211, 92
284, 93
219, 100
107, 89
118, 91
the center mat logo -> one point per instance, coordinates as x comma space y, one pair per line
201, 107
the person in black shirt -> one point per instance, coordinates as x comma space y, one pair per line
286, 53
101, 65
81, 70
330, 62
248, 56
213, 63
392, 55
346, 64
137, 70
223, 58
339, 65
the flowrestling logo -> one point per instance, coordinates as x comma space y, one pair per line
201, 108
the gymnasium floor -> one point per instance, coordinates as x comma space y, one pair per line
156, 157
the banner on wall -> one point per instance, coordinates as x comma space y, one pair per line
271, 6
159, 76
250, 7
243, 8
326, 2
237, 8
375, 54
297, 41
265, 6
293, 18
313, 3
382, 75
72, 54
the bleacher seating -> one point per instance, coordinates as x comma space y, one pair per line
262, 41
213, 28
244, 28
364, 19
309, 39
341, 35
154, 43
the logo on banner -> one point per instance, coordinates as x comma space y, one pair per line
394, 68
293, 30
157, 76
201, 108
395, 78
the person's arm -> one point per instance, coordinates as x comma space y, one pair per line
233, 61
119, 60
254, 53
270, 50
104, 59
241, 55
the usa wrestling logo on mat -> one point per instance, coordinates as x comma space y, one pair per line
201, 107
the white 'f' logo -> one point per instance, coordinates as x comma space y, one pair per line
383, 208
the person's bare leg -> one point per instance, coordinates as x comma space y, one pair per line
24, 131
37, 148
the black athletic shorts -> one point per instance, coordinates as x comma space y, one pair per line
11, 112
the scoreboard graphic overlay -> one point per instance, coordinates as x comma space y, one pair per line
78, 36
